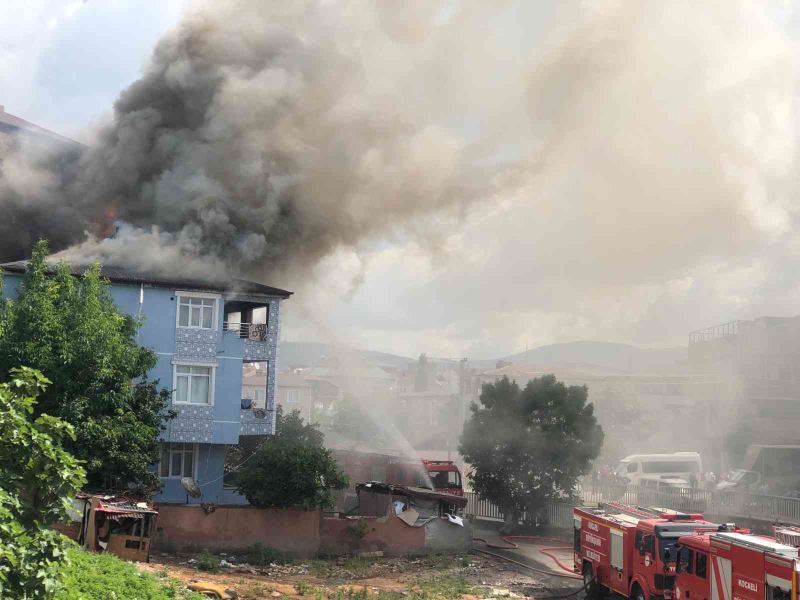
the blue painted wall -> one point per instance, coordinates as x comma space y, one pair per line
210, 428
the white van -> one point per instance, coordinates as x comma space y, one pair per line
678, 465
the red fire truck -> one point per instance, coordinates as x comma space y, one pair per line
735, 566
631, 550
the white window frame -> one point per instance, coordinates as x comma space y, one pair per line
195, 456
292, 393
204, 295
211, 383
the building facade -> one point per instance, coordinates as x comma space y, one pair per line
205, 335
754, 393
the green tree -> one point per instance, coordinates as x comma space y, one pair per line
290, 469
38, 480
69, 328
528, 446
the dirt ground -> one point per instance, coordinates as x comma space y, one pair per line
434, 577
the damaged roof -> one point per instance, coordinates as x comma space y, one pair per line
412, 492
124, 275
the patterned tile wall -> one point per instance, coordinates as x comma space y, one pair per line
255, 422
196, 344
192, 424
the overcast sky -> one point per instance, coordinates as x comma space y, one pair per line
658, 195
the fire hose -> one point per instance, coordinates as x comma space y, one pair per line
536, 570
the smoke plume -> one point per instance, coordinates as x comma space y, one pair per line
261, 137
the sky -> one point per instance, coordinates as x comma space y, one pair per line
654, 181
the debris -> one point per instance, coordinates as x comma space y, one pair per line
409, 516
375, 554
455, 520
212, 590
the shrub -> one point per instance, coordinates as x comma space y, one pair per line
105, 577
208, 562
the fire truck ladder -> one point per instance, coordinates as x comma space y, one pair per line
640, 512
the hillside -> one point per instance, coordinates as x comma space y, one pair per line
314, 354
609, 355
622, 357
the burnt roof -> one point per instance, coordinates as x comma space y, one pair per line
125, 275
380, 487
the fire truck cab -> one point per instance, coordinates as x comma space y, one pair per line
444, 475
735, 566
630, 550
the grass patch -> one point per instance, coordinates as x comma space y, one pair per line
358, 565
104, 576
320, 568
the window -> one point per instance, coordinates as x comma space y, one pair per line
193, 385
684, 562
177, 460
650, 544
197, 312
442, 479
292, 396
701, 564
670, 467
633, 467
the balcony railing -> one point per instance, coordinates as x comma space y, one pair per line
256, 332
714, 333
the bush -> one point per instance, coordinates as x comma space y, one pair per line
208, 562
104, 577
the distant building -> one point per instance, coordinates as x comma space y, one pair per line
433, 398
755, 390
639, 411
295, 393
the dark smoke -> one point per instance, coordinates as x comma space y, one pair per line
261, 137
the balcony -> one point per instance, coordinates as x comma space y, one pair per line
255, 332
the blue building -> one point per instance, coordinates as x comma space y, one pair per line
203, 334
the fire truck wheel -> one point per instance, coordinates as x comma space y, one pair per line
637, 593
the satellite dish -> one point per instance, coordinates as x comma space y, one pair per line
191, 487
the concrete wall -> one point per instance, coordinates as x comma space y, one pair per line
302, 533
445, 537
236, 528
387, 534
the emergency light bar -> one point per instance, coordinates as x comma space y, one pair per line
682, 516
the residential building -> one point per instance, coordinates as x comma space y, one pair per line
641, 411
295, 393
433, 398
14, 129
206, 335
